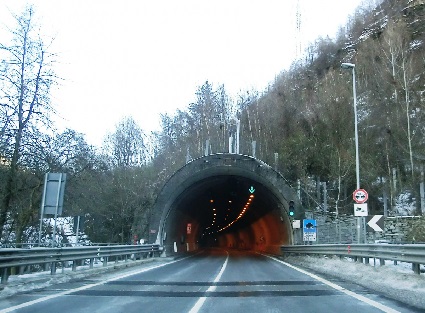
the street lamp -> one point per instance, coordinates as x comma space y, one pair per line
356, 136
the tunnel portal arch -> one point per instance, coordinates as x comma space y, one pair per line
203, 203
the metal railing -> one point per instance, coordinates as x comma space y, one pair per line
25, 260
410, 253
28, 245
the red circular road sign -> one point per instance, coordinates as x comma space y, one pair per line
360, 195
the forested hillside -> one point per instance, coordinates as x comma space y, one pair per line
306, 115
302, 124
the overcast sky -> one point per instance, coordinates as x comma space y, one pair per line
141, 58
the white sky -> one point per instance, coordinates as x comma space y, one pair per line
142, 58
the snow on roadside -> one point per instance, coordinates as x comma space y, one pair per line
395, 281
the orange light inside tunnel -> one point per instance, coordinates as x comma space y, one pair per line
240, 215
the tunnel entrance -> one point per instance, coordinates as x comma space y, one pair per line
227, 201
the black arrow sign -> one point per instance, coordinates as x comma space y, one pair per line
375, 223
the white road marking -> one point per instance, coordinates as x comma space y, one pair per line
67, 292
198, 305
364, 299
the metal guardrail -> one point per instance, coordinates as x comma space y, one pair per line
28, 245
23, 259
410, 253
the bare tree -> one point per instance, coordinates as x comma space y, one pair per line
127, 144
396, 50
26, 77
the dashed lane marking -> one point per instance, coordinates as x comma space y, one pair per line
198, 305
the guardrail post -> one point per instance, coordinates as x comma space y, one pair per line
53, 268
74, 265
416, 268
105, 260
4, 275
381, 262
91, 263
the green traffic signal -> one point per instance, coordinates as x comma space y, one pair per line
291, 208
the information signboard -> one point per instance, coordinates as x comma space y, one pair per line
309, 230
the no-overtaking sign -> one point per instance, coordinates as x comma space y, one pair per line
360, 195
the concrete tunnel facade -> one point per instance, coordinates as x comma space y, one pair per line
227, 201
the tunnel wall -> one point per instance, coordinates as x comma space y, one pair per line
259, 236
222, 164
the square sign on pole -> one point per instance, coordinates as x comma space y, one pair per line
360, 209
309, 230
52, 200
296, 224
54, 192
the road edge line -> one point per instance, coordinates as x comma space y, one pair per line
350, 293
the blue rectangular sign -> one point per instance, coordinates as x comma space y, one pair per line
309, 230
309, 226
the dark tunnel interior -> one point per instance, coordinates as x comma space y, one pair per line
227, 211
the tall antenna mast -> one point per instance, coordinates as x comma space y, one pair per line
298, 31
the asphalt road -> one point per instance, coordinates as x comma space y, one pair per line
211, 281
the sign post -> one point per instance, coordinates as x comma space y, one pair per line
360, 196
78, 226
